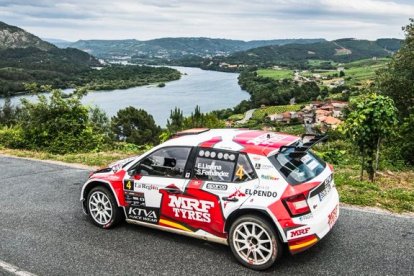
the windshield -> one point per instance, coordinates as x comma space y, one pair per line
297, 170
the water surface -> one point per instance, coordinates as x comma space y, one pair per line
210, 90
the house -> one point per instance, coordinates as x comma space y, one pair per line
287, 116
320, 119
321, 112
328, 107
331, 122
276, 117
317, 103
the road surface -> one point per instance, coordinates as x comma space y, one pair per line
43, 231
247, 116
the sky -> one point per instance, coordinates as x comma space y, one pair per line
234, 19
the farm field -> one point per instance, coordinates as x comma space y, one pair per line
261, 112
277, 74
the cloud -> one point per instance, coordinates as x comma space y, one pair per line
254, 19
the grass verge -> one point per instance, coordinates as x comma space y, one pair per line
393, 191
94, 159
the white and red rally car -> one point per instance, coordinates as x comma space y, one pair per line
252, 190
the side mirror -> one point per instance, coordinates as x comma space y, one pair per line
134, 171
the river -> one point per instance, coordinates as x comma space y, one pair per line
210, 90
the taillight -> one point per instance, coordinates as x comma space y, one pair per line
297, 205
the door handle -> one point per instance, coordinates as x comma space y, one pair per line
232, 199
173, 190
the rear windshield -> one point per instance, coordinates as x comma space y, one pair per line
297, 170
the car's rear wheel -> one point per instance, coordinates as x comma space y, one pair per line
102, 208
254, 242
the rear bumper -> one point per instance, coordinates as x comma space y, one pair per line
315, 225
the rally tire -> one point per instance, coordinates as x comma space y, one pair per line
254, 242
102, 208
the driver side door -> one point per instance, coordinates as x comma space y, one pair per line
166, 169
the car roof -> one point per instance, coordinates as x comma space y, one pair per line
242, 140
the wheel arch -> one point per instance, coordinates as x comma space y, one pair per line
88, 186
256, 212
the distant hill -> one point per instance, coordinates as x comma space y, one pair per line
341, 50
174, 48
14, 37
25, 57
60, 43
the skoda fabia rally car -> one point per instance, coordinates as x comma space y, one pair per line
252, 190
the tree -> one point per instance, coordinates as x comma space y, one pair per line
371, 120
8, 113
407, 143
135, 126
100, 122
177, 120
397, 79
341, 73
199, 120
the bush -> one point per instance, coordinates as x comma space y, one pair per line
12, 137
59, 123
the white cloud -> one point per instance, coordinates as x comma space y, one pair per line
255, 19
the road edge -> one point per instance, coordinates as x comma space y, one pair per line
367, 209
12, 269
54, 162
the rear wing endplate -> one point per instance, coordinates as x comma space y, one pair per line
302, 147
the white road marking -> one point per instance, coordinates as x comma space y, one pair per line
14, 269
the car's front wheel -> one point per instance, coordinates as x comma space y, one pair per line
102, 208
254, 242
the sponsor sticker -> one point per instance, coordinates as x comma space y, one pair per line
333, 216
190, 208
266, 139
298, 232
261, 193
214, 186
260, 166
135, 199
268, 177
306, 217
149, 187
144, 214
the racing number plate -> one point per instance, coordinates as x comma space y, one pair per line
128, 184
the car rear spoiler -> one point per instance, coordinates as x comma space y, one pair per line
192, 131
302, 147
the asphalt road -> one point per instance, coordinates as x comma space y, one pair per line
43, 231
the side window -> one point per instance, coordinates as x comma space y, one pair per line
166, 162
244, 170
214, 165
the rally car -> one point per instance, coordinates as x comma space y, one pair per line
252, 190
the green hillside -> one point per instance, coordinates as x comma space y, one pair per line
302, 55
25, 58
